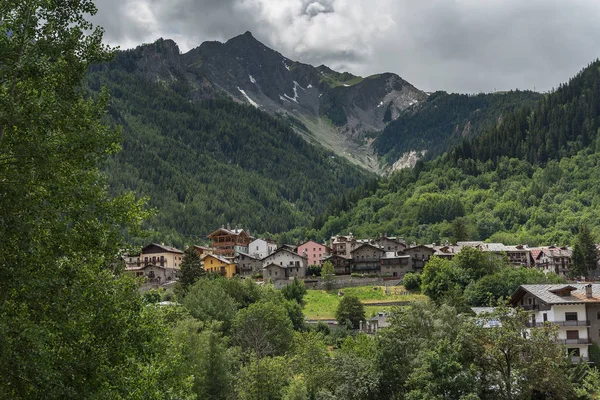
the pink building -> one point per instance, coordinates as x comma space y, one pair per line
313, 251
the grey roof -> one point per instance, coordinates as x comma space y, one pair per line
545, 294
482, 310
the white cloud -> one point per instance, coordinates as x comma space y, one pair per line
459, 45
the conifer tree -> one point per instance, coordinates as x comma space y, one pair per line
191, 268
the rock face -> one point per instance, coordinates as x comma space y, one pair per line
341, 111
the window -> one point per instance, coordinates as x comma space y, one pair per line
573, 334
598, 315
545, 317
529, 300
573, 352
570, 316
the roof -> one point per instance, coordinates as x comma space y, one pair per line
203, 247
249, 255
285, 249
237, 231
167, 249
547, 293
219, 258
367, 244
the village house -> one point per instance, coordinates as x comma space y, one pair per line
341, 264
284, 264
389, 243
343, 245
228, 242
219, 265
247, 264
574, 308
552, 259
447, 251
158, 263
395, 264
261, 248
367, 259
313, 251
419, 255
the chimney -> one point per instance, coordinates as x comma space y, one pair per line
588, 291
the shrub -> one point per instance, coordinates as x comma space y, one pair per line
412, 281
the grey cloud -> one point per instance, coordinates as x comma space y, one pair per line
466, 46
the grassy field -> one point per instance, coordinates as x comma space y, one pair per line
320, 304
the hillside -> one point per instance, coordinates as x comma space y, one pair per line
204, 163
531, 179
443, 121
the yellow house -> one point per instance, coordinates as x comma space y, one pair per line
219, 265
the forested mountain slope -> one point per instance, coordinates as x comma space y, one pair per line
204, 163
442, 121
531, 179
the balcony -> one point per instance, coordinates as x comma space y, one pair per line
530, 307
559, 323
578, 359
575, 341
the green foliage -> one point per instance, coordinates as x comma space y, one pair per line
71, 327
206, 358
190, 269
585, 254
294, 291
443, 120
328, 273
350, 311
412, 281
263, 328
208, 301
295, 314
502, 284
310, 360
263, 378
441, 277
152, 296
313, 270
476, 264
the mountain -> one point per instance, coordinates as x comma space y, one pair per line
532, 178
434, 126
340, 111
204, 160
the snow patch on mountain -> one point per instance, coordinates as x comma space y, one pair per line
248, 98
252, 79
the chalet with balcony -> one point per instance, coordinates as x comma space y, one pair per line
552, 259
343, 245
202, 250
157, 263
574, 308
228, 242
366, 258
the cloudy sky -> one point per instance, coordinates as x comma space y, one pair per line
452, 45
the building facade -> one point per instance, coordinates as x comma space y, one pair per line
219, 265
261, 248
157, 263
574, 308
247, 264
291, 264
367, 259
313, 251
227, 242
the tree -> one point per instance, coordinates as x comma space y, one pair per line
350, 311
294, 291
585, 253
208, 301
206, 358
328, 273
71, 327
412, 281
263, 329
311, 360
191, 268
263, 378
460, 229
441, 277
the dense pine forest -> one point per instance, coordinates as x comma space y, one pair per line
205, 163
533, 178
443, 120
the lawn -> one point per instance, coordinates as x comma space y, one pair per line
320, 304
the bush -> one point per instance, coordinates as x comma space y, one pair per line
412, 281
294, 291
350, 311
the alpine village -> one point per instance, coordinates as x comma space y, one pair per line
224, 222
